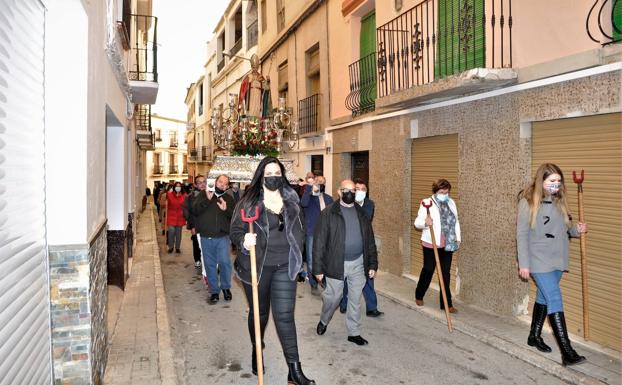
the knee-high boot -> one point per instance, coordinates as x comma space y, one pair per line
296, 376
535, 335
569, 355
254, 359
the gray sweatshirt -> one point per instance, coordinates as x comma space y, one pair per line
544, 248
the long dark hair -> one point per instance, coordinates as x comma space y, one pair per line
253, 192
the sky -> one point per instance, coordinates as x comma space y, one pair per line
184, 28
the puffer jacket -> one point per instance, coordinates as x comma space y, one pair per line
175, 214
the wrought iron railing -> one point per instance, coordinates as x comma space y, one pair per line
601, 29
173, 141
236, 47
173, 169
438, 38
144, 43
158, 136
362, 97
252, 31
193, 155
142, 117
205, 153
157, 169
308, 113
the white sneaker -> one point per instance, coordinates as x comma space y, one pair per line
197, 264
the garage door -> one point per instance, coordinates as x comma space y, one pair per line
25, 352
595, 145
432, 158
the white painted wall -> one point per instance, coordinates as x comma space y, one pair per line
66, 116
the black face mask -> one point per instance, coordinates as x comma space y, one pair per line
273, 183
218, 191
347, 197
322, 188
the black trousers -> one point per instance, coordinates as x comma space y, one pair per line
196, 250
428, 271
278, 291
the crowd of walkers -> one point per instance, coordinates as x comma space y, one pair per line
302, 234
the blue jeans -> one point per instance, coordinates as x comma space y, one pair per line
309, 254
369, 293
548, 292
216, 254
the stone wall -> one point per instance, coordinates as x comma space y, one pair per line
494, 165
78, 295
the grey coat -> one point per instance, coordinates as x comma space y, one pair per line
544, 248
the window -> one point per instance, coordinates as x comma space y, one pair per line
220, 47
200, 99
264, 16
237, 31
313, 70
280, 15
283, 81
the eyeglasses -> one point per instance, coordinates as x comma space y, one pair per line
345, 190
281, 222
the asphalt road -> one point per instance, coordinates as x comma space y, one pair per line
212, 345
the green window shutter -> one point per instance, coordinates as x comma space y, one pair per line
368, 65
616, 18
461, 41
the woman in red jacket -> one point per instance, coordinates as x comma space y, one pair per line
175, 217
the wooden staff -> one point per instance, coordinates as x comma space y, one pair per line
439, 272
586, 316
255, 288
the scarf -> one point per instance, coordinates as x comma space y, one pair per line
448, 226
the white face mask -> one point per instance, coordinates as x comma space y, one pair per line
442, 197
360, 196
178, 189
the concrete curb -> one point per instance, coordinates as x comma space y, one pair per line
166, 363
502, 344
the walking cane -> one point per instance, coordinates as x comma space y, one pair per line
586, 319
255, 296
439, 272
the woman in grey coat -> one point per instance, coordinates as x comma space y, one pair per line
542, 235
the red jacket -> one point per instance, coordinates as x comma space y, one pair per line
174, 212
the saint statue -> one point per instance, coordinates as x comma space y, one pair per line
254, 91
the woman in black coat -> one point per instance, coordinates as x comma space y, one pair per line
278, 243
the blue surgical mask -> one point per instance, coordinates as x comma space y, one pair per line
177, 189
360, 196
553, 188
442, 197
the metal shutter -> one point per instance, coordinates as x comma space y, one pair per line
595, 144
25, 352
432, 158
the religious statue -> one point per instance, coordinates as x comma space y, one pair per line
254, 92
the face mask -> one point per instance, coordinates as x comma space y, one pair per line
273, 183
315, 193
322, 188
442, 197
177, 189
360, 196
218, 191
347, 197
235, 187
553, 188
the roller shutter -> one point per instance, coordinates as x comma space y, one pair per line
595, 145
432, 158
25, 352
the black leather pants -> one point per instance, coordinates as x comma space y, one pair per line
278, 291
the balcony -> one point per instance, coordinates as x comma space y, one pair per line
362, 97
308, 113
143, 59
437, 50
157, 169
173, 169
173, 142
205, 154
185, 170
252, 31
142, 121
236, 47
193, 155
158, 136
219, 67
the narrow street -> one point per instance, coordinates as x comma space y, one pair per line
405, 347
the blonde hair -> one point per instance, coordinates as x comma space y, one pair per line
534, 193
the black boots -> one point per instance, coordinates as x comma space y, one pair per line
254, 359
296, 376
569, 355
537, 321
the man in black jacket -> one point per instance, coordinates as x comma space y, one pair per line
199, 187
212, 213
344, 248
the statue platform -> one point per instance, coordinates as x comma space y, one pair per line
242, 168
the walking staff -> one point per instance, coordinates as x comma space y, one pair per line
586, 319
438, 268
258, 351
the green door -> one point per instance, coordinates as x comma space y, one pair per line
461, 41
617, 20
368, 62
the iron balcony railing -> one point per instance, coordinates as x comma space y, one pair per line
173, 141
173, 169
157, 169
604, 22
308, 113
362, 97
438, 38
252, 31
144, 43
193, 155
205, 154
142, 117
236, 47
158, 136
